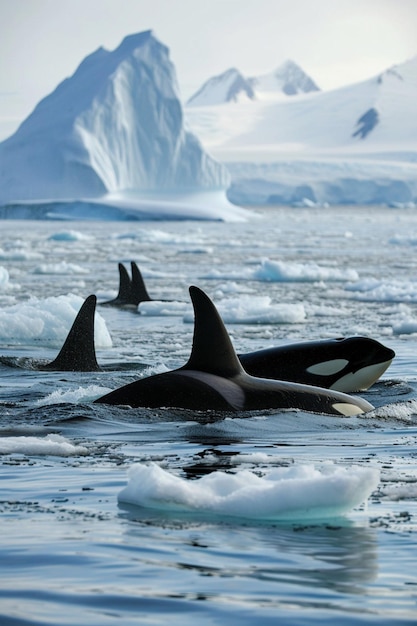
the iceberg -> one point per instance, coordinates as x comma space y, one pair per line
115, 127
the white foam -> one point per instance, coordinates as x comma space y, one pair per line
402, 411
73, 396
292, 493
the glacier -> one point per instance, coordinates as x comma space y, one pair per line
109, 139
114, 141
352, 145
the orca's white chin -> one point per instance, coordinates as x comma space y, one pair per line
362, 379
349, 410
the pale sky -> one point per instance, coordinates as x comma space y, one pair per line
336, 42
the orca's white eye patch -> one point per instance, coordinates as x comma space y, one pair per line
326, 368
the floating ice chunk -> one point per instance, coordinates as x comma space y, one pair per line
47, 322
4, 278
19, 254
54, 445
305, 272
292, 493
161, 308
70, 235
373, 290
283, 271
257, 310
59, 268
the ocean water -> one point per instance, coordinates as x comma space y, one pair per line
73, 551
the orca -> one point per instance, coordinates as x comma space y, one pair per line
139, 291
78, 353
125, 296
132, 291
345, 364
214, 379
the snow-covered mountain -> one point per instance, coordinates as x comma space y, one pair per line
231, 86
116, 125
353, 144
227, 87
288, 79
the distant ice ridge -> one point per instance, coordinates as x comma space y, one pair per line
232, 86
288, 78
115, 126
352, 145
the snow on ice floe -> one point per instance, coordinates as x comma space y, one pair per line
155, 235
59, 268
159, 308
404, 321
46, 322
375, 290
51, 445
4, 278
70, 235
292, 493
19, 253
283, 271
256, 310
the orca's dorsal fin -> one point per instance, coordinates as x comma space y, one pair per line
125, 286
78, 353
212, 350
124, 295
139, 291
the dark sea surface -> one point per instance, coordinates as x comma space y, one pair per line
72, 552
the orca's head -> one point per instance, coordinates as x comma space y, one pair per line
358, 362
